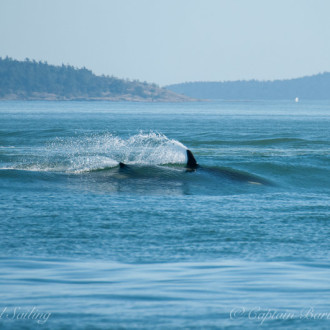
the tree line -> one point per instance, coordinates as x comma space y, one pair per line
29, 77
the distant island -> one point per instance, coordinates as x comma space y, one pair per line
309, 87
31, 80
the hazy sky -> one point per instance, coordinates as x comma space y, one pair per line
170, 41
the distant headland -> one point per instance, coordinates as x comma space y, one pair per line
316, 87
31, 80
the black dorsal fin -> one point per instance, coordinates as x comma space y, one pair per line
191, 162
122, 165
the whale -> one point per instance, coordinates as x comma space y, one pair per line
221, 172
231, 174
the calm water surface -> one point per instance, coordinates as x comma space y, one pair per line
242, 242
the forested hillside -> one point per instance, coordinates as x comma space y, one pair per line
39, 80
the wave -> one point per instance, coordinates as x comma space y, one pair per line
236, 175
264, 142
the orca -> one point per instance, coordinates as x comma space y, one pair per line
235, 175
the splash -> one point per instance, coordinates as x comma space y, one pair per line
151, 149
100, 151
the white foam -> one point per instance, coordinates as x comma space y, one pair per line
98, 151
151, 149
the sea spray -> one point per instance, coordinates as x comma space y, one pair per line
88, 152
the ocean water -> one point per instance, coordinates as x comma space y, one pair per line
242, 242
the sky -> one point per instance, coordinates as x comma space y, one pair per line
172, 41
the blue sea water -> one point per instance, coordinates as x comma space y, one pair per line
240, 243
